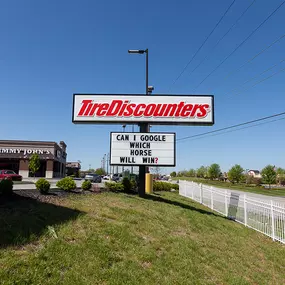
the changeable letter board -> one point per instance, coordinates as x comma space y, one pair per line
150, 149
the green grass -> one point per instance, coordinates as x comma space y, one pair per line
123, 239
240, 187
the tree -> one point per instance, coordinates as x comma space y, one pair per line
235, 174
269, 175
100, 171
201, 172
34, 164
280, 171
191, 173
173, 174
214, 171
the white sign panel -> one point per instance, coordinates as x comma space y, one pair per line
133, 109
150, 149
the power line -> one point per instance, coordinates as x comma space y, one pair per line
186, 66
247, 127
255, 56
264, 71
212, 49
241, 44
233, 126
264, 79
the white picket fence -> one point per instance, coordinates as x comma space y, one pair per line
265, 216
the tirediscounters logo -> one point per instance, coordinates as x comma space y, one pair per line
154, 109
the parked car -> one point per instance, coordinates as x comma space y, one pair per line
117, 177
10, 174
93, 177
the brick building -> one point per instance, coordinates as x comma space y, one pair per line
14, 155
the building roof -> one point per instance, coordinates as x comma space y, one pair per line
255, 171
73, 164
22, 142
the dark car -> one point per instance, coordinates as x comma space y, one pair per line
93, 177
10, 174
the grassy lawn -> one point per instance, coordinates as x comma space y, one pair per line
114, 238
241, 187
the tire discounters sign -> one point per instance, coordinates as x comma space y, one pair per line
150, 149
133, 109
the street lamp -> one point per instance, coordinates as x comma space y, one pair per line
142, 51
143, 126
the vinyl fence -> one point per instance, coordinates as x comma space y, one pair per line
265, 216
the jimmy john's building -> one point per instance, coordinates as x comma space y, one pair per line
14, 155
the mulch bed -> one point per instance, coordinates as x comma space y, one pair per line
53, 195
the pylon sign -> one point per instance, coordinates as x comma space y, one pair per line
150, 149
137, 108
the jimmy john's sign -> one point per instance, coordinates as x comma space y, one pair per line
24, 151
154, 109
150, 149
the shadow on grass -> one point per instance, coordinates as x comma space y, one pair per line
179, 204
24, 219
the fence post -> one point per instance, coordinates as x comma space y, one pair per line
226, 203
245, 210
201, 193
212, 200
193, 187
272, 221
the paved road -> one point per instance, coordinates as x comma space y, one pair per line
53, 182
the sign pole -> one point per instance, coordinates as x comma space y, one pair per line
143, 129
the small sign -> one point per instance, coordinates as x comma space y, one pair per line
150, 149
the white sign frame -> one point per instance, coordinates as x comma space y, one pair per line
99, 106
126, 150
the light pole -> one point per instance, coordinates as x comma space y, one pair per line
143, 126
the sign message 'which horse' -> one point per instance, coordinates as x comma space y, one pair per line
150, 149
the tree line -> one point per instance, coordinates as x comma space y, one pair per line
270, 174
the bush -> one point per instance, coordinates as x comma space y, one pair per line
43, 186
127, 185
175, 186
115, 187
66, 184
162, 186
6, 187
86, 185
134, 185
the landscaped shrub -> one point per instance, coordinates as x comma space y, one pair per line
134, 185
175, 186
66, 184
162, 186
127, 185
86, 185
115, 187
43, 186
6, 187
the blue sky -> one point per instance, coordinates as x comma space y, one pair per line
52, 49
